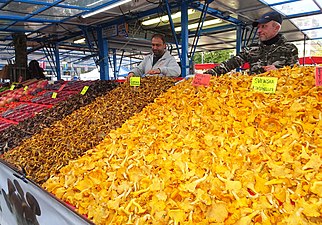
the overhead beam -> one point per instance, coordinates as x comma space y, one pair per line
216, 13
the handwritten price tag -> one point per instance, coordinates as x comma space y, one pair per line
54, 95
12, 87
25, 88
264, 84
135, 81
318, 76
201, 80
85, 88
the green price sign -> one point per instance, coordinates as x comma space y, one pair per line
85, 88
12, 87
25, 88
135, 81
54, 95
264, 84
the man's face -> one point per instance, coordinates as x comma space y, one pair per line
158, 47
267, 31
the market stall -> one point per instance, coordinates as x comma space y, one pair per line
222, 154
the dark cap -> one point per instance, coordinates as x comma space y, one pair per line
275, 16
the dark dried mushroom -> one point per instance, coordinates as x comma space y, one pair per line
45, 153
14, 135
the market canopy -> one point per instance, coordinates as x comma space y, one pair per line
65, 22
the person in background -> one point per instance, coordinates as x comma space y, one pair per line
159, 62
35, 71
271, 53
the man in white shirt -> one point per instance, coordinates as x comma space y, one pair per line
160, 62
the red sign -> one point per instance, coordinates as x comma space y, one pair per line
201, 80
61, 87
318, 76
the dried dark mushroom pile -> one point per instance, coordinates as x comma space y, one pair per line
46, 152
14, 135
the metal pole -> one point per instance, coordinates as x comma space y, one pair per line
114, 63
184, 38
172, 27
57, 62
304, 49
198, 32
238, 41
103, 55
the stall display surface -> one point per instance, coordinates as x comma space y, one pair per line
4, 124
23, 111
13, 136
223, 154
70, 137
18, 104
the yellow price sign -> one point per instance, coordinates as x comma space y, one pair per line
135, 81
54, 95
12, 87
25, 88
85, 88
264, 84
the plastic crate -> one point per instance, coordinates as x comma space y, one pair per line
48, 100
24, 111
4, 123
76, 86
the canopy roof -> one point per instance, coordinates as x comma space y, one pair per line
48, 22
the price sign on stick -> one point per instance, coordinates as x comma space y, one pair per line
135, 81
85, 88
318, 76
25, 88
12, 87
54, 95
264, 84
201, 80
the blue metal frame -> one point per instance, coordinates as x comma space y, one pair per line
103, 53
304, 44
114, 63
172, 27
215, 13
22, 19
54, 69
283, 2
119, 68
238, 40
49, 4
88, 41
99, 7
198, 32
37, 11
219, 28
57, 60
121, 19
51, 55
184, 39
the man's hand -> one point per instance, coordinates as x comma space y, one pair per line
210, 71
156, 71
269, 67
129, 76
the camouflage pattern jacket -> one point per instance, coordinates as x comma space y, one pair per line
280, 54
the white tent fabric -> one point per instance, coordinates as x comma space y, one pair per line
95, 74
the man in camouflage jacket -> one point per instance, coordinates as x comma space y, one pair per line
271, 53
